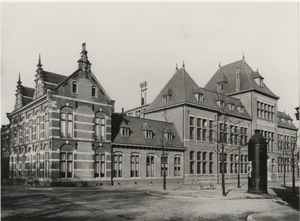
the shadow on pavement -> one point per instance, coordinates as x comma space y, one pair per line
286, 194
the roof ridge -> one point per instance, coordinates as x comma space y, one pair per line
55, 73
147, 119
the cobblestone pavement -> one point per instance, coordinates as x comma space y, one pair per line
126, 203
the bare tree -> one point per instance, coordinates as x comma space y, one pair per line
224, 118
292, 154
162, 142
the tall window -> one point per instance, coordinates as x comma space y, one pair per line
177, 166
74, 87
46, 125
192, 128
204, 162
211, 163
100, 126
118, 162
204, 128
42, 122
134, 162
199, 162
37, 162
37, 126
34, 129
66, 162
30, 130
150, 166
46, 168
211, 131
94, 91
164, 166
66, 122
100, 165
192, 162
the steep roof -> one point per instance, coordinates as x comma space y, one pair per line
284, 120
247, 79
183, 89
137, 125
53, 77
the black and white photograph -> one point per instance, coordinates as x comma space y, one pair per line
150, 110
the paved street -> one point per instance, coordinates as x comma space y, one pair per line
124, 203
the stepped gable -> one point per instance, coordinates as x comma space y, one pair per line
247, 79
136, 127
27, 94
285, 122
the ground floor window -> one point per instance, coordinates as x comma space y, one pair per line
164, 166
118, 162
150, 166
177, 165
66, 164
134, 161
99, 165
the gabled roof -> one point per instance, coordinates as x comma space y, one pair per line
286, 118
137, 138
184, 88
247, 79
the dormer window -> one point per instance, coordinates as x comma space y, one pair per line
259, 81
168, 136
199, 97
124, 132
220, 103
94, 89
75, 87
289, 121
148, 134
231, 107
240, 109
165, 98
220, 86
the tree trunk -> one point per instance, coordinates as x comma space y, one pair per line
293, 174
223, 173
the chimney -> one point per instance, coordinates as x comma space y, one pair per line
122, 111
238, 79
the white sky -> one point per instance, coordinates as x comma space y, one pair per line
132, 42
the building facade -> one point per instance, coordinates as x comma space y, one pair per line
58, 128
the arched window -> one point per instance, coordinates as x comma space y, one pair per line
66, 162
46, 123
37, 130
150, 166
118, 164
100, 160
66, 122
46, 161
100, 124
134, 165
177, 165
94, 91
37, 161
29, 154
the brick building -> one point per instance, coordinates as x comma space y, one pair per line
234, 91
59, 126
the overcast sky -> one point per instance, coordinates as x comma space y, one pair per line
132, 42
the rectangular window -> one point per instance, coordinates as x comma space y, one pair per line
124, 132
177, 166
63, 120
164, 164
37, 170
93, 91
134, 160
74, 87
99, 165
103, 125
118, 165
46, 125
46, 168
150, 166
66, 165
165, 98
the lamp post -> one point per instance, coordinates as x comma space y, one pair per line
239, 167
283, 159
